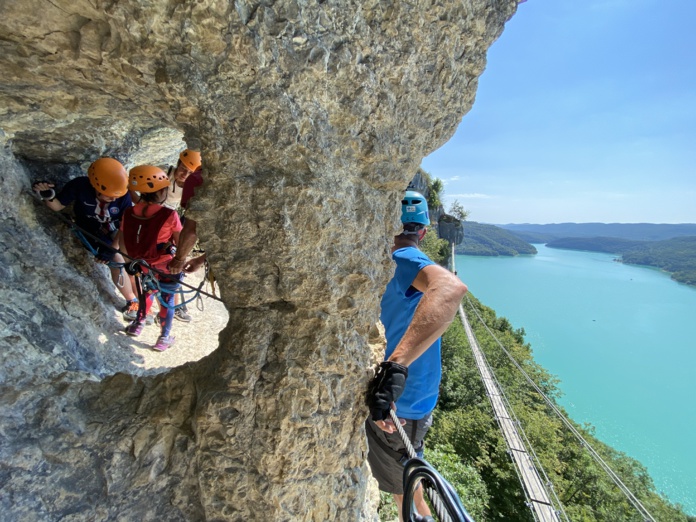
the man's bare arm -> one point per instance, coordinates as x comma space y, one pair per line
187, 240
442, 294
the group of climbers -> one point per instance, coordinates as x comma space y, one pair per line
123, 216
419, 303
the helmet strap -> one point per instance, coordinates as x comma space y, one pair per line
161, 202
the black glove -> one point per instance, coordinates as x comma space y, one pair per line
385, 388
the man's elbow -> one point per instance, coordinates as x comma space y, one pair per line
452, 292
460, 289
189, 225
456, 291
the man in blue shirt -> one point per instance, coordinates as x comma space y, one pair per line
418, 305
98, 200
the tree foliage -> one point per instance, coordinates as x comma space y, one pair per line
466, 428
435, 248
435, 193
489, 240
457, 210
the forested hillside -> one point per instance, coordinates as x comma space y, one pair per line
635, 231
465, 443
608, 245
676, 256
489, 240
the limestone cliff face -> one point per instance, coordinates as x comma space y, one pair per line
311, 117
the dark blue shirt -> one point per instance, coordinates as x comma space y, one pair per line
96, 217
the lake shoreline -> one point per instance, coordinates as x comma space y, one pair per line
588, 343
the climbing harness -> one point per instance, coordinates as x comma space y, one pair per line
131, 266
158, 287
111, 264
441, 494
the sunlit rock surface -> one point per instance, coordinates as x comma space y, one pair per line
311, 117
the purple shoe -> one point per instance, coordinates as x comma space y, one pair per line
163, 342
134, 329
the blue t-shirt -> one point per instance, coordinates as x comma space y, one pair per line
398, 305
96, 217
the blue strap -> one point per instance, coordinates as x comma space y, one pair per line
157, 287
79, 235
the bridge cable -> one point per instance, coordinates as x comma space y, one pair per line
545, 507
531, 474
595, 455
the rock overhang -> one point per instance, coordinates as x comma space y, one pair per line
311, 116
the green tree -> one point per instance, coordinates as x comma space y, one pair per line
470, 487
435, 191
457, 210
435, 248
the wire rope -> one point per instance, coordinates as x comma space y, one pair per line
133, 260
635, 502
537, 505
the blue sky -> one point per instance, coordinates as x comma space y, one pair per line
586, 112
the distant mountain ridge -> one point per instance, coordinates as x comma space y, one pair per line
490, 240
635, 231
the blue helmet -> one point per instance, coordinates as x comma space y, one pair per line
414, 208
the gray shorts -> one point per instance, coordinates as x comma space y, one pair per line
387, 454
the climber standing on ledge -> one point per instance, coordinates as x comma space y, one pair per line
150, 232
99, 201
418, 305
189, 234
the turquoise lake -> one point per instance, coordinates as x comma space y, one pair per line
622, 340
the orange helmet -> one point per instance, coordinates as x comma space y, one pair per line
108, 177
191, 159
146, 179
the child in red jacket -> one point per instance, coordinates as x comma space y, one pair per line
150, 233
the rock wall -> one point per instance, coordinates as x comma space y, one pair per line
311, 117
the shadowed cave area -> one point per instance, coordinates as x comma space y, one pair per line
311, 117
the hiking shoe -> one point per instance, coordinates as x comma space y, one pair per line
182, 315
130, 311
134, 329
163, 342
